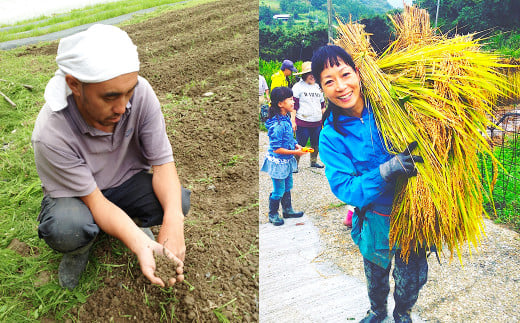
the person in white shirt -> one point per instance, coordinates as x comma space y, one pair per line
309, 105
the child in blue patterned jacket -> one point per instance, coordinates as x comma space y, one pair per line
279, 162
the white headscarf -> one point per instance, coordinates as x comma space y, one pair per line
95, 55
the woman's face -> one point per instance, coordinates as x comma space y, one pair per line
341, 85
286, 105
310, 79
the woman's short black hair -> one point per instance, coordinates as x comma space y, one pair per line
278, 94
324, 57
329, 55
305, 76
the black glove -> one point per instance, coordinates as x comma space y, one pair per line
401, 164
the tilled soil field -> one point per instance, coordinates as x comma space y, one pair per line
203, 64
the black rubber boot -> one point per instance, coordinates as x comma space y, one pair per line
72, 265
288, 211
403, 316
373, 317
274, 217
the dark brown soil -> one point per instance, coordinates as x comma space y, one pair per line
185, 54
21, 248
165, 268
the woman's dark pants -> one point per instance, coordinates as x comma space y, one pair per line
409, 278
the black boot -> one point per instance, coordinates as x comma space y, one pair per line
72, 266
403, 316
378, 287
274, 217
373, 317
288, 211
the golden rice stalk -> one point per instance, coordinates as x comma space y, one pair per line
439, 92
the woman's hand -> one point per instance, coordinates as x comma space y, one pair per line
402, 164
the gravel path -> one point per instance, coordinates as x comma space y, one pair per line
486, 288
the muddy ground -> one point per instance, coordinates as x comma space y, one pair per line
203, 64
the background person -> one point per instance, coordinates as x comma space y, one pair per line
361, 172
279, 162
263, 90
95, 139
309, 105
280, 78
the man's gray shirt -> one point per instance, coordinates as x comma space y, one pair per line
73, 158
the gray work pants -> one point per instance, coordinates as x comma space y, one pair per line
66, 223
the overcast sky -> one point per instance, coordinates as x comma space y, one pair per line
398, 3
15, 10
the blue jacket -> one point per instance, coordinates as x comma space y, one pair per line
352, 169
280, 133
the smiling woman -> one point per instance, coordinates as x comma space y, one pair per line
363, 173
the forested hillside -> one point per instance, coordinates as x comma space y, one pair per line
496, 20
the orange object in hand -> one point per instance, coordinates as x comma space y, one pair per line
308, 149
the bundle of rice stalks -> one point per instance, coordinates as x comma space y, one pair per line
439, 92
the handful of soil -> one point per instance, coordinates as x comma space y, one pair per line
165, 268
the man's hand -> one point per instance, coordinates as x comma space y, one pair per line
171, 235
145, 255
167, 188
115, 222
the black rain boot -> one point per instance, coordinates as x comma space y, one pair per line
274, 217
72, 266
288, 211
373, 317
403, 316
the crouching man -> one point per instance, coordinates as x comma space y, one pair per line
95, 141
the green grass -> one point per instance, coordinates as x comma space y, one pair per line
507, 188
24, 296
507, 43
77, 17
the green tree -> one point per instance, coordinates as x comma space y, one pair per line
284, 5
351, 9
265, 14
380, 28
468, 16
297, 43
318, 4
